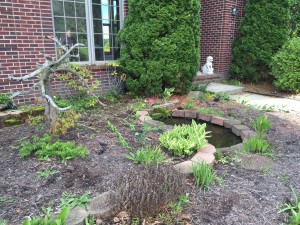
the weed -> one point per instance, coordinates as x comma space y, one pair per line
210, 111
261, 125
168, 93
141, 136
43, 147
200, 87
121, 139
223, 96
111, 127
226, 159
190, 104
185, 139
160, 113
203, 174
3, 222
78, 102
46, 173
35, 120
147, 156
293, 209
70, 200
135, 221
4, 199
207, 95
90, 221
48, 220
138, 106
285, 178
66, 120
258, 144
177, 207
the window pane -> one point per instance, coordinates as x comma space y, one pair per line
99, 54
80, 10
96, 2
105, 13
81, 26
83, 54
104, 2
97, 26
98, 40
79, 0
58, 9
69, 9
71, 24
97, 11
59, 23
82, 39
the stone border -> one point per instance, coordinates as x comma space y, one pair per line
206, 153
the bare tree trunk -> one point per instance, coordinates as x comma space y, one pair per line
51, 113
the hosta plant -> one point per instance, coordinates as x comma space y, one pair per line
184, 139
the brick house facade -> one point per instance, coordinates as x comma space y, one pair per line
23, 23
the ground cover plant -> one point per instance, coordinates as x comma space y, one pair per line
245, 195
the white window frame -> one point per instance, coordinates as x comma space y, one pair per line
90, 31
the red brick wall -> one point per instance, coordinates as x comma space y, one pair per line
218, 29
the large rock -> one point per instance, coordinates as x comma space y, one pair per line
257, 163
77, 216
185, 167
104, 205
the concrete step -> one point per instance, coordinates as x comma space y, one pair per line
224, 88
202, 78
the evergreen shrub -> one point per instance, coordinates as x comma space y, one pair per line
263, 31
160, 45
286, 66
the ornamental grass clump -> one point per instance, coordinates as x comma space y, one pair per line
261, 125
147, 190
203, 174
184, 139
257, 144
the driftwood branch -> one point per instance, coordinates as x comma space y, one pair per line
67, 54
50, 100
65, 69
25, 92
60, 45
33, 74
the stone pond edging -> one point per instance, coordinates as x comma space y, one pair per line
207, 152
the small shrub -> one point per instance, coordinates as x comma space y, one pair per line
48, 220
4, 98
168, 93
285, 66
43, 147
67, 119
70, 200
203, 174
190, 104
261, 125
35, 120
185, 139
160, 186
148, 156
257, 144
78, 103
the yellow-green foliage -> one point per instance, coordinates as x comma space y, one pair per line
44, 147
12, 122
185, 139
65, 121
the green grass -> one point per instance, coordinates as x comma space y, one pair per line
261, 125
293, 209
148, 156
258, 144
46, 173
210, 111
203, 174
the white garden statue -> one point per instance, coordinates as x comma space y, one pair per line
207, 68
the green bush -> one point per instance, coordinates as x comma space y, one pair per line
263, 31
160, 45
185, 139
286, 66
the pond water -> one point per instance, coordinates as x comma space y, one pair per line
220, 136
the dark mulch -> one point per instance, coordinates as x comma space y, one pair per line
245, 197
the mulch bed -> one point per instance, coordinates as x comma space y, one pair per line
245, 197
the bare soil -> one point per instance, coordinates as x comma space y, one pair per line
245, 197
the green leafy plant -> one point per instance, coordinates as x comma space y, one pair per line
70, 200
223, 96
3, 222
4, 98
46, 173
293, 209
138, 106
121, 139
255, 45
190, 104
160, 42
168, 93
34, 120
200, 87
285, 66
148, 156
48, 220
177, 207
78, 102
261, 125
44, 147
203, 174
185, 139
141, 136
258, 144
90, 221
4, 199
160, 113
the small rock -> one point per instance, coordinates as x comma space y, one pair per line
209, 158
184, 167
116, 220
76, 216
186, 217
99, 222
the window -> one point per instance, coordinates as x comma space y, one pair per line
94, 23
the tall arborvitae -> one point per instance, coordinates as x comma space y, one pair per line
264, 29
160, 43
